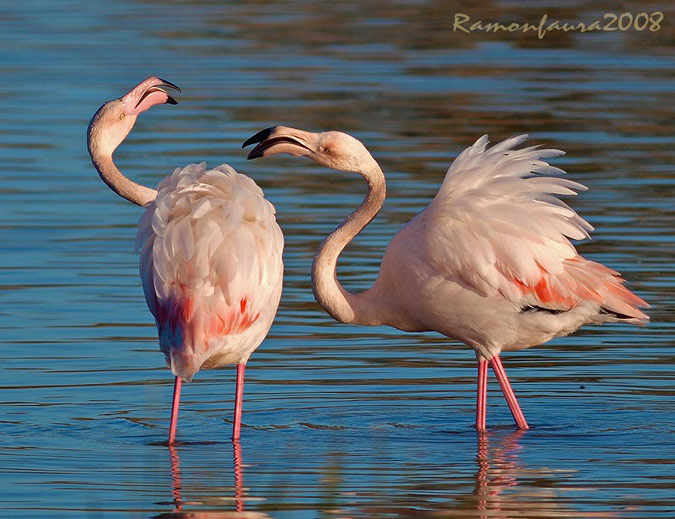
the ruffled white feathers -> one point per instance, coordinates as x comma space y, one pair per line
211, 266
498, 227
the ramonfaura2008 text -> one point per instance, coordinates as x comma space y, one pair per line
610, 22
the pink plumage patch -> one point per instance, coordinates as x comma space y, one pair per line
605, 286
549, 293
202, 325
582, 280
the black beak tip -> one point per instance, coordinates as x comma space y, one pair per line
255, 154
258, 137
170, 100
169, 84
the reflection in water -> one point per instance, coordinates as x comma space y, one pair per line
180, 503
492, 482
505, 488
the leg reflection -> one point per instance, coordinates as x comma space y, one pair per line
175, 478
207, 503
238, 476
498, 470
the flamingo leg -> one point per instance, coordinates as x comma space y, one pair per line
510, 396
238, 399
174, 410
481, 400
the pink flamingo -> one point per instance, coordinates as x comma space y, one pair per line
210, 252
488, 262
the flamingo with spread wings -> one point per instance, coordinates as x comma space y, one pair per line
489, 262
210, 251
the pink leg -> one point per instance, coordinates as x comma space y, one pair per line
503, 380
174, 410
481, 401
238, 398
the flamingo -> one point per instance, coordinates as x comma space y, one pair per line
210, 252
488, 262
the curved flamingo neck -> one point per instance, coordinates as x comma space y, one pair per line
341, 304
113, 177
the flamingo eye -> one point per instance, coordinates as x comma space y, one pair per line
122, 116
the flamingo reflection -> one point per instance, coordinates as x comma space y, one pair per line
505, 488
186, 508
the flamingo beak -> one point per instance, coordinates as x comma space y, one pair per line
281, 139
147, 94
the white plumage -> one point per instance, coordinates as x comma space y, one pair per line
211, 267
492, 253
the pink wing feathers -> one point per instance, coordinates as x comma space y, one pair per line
499, 228
211, 266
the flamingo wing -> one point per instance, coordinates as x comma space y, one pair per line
211, 266
498, 227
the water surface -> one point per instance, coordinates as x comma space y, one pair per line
339, 421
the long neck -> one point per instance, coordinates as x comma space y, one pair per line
342, 305
113, 177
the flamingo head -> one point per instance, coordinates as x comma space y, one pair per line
334, 150
114, 120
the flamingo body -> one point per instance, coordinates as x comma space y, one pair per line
211, 267
489, 262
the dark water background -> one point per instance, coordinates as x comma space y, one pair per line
339, 421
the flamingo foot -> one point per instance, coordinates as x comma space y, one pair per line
174, 410
510, 396
238, 399
481, 401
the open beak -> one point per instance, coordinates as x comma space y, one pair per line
281, 139
147, 94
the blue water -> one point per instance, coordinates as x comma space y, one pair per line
339, 421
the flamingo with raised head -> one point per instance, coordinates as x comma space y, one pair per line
210, 252
488, 262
